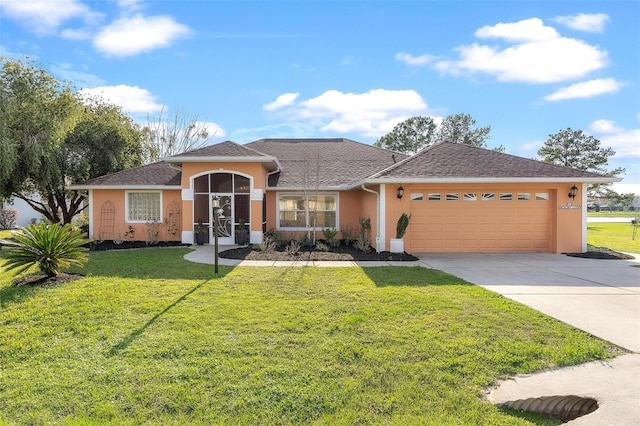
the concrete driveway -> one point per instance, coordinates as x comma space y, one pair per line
601, 297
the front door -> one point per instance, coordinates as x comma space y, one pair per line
225, 219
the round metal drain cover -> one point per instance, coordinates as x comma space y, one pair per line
565, 408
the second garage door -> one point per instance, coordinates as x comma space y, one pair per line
492, 220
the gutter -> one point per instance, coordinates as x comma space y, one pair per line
364, 188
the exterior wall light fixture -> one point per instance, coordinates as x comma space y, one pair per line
573, 192
400, 192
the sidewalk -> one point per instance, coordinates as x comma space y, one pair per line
609, 219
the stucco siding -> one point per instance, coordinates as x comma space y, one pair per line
108, 221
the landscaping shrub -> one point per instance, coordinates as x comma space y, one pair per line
50, 247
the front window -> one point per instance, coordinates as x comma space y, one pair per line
300, 211
143, 206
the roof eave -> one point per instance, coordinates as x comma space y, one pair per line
493, 180
307, 189
222, 159
137, 187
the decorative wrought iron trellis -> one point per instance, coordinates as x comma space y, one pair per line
173, 222
107, 221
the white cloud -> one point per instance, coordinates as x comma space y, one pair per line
214, 130
130, 36
527, 30
281, 101
409, 59
591, 23
586, 89
370, 114
130, 5
44, 17
533, 53
76, 34
132, 99
626, 143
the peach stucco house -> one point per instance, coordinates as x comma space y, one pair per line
461, 198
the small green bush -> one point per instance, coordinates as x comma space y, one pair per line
50, 247
403, 223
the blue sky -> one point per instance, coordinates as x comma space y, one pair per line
354, 68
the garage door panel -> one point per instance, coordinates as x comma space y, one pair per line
495, 225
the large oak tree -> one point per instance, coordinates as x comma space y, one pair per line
51, 138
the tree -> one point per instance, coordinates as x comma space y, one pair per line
416, 133
170, 135
104, 140
409, 136
616, 199
52, 138
574, 148
460, 128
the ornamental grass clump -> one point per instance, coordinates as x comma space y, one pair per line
49, 247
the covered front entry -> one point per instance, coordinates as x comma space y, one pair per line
233, 190
481, 220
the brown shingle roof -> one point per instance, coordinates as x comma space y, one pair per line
323, 162
453, 160
222, 149
155, 174
343, 163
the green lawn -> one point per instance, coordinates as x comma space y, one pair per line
147, 337
628, 214
614, 236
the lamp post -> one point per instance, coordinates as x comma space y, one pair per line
215, 204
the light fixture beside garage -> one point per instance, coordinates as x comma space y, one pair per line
400, 192
573, 192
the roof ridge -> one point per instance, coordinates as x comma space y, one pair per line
404, 160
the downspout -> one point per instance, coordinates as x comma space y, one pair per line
266, 185
364, 188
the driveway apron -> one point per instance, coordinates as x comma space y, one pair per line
601, 297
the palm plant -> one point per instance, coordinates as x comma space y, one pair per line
50, 247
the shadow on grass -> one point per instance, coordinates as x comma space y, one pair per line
136, 333
416, 276
14, 294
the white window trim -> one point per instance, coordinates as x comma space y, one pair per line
126, 206
279, 194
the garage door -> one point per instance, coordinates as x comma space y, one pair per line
480, 221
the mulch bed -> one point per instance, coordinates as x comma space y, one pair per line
123, 245
342, 252
43, 280
601, 253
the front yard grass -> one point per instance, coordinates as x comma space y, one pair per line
614, 236
147, 337
629, 214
